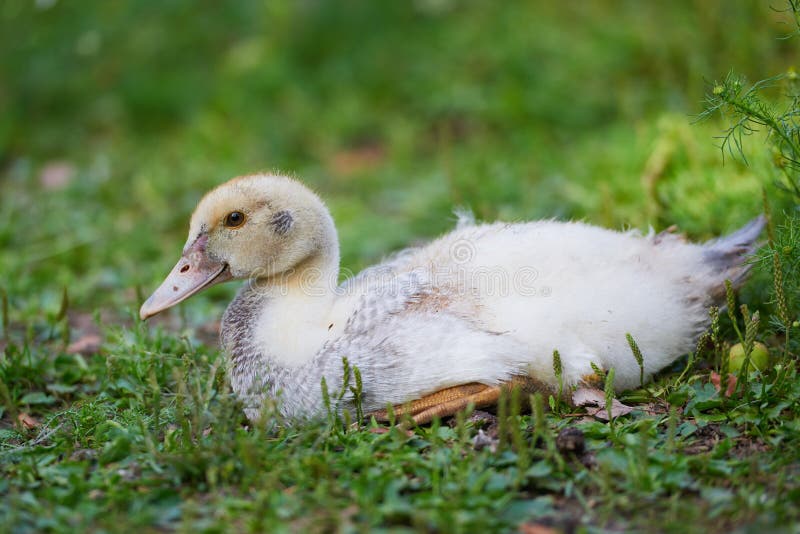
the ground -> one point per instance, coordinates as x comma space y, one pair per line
116, 117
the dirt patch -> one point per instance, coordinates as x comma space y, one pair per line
746, 447
705, 439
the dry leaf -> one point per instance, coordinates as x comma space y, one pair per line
357, 159
28, 422
88, 344
731, 385
56, 175
716, 381
594, 400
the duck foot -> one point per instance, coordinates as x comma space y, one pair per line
447, 402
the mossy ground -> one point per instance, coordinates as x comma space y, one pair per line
117, 116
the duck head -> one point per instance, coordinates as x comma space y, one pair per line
253, 227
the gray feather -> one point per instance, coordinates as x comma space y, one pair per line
729, 255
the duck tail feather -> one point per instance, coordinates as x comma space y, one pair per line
729, 254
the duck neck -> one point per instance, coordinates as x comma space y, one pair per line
293, 322
272, 332
312, 281
277, 324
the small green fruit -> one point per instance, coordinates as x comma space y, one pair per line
759, 357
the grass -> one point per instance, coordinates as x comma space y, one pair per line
117, 116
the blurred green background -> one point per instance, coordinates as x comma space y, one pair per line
115, 117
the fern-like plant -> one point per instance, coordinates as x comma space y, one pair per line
746, 109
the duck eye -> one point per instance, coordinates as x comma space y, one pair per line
234, 219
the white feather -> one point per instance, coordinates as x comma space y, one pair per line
483, 303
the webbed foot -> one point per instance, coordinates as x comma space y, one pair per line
449, 401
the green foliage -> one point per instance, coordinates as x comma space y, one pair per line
749, 109
558, 370
609, 395
749, 112
116, 117
638, 356
781, 259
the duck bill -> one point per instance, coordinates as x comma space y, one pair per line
193, 273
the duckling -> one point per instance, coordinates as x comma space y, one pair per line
437, 327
